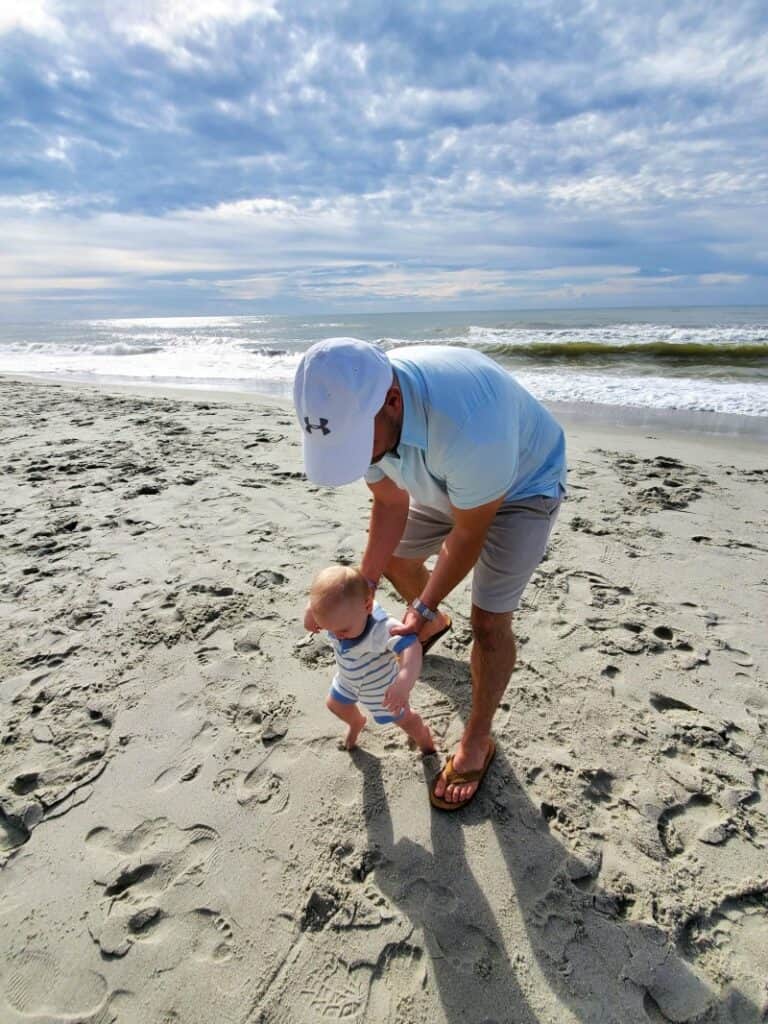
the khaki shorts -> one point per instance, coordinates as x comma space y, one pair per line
514, 546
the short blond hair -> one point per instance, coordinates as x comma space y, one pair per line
336, 584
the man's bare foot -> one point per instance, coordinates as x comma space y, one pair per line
469, 756
353, 732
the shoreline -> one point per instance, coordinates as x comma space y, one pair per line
686, 423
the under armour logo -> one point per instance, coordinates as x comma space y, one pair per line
322, 425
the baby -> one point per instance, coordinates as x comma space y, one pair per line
373, 668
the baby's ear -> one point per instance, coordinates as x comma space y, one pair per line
369, 602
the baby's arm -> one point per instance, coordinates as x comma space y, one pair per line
396, 696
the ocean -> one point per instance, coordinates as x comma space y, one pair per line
709, 359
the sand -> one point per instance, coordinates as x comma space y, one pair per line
182, 839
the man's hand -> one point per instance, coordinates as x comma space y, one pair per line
412, 623
396, 696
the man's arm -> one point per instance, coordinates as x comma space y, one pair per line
460, 550
458, 554
389, 514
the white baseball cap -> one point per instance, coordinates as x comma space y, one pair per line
340, 385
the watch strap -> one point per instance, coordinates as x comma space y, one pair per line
424, 610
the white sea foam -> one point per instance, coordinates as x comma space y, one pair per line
617, 334
173, 323
689, 393
206, 360
261, 353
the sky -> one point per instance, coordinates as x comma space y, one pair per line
247, 156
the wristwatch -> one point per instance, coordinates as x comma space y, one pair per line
423, 610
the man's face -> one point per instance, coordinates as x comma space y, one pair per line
387, 425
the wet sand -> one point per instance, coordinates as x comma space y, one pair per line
182, 839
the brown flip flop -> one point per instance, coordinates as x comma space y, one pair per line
454, 778
427, 645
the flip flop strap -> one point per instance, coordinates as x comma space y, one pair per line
453, 778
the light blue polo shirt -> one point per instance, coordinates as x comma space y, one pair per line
470, 432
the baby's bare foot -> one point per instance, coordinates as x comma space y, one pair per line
427, 742
424, 742
350, 740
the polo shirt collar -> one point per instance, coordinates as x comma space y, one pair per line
377, 614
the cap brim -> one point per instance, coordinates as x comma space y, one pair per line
335, 463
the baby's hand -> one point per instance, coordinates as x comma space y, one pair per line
396, 696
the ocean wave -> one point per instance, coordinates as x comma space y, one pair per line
260, 348
172, 323
649, 392
125, 349
704, 353
715, 366
615, 334
54, 351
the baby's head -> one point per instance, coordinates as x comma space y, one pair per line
341, 601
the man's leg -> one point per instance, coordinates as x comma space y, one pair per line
409, 577
492, 660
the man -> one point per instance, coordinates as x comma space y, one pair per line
463, 463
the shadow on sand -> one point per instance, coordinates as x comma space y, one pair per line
600, 967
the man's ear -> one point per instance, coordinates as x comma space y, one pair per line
394, 399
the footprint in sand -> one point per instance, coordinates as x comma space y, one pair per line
682, 825
738, 922
465, 946
189, 768
265, 787
155, 856
177, 773
399, 974
125, 926
469, 949
36, 987
691, 728
739, 657
331, 992
594, 589
214, 936
658, 483
13, 832
428, 897
261, 787
264, 717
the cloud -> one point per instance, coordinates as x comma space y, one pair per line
179, 29
208, 136
33, 16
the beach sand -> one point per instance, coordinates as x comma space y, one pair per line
183, 840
